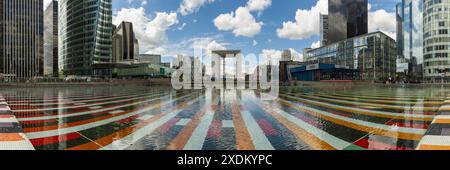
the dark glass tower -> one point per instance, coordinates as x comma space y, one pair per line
51, 40
21, 38
347, 19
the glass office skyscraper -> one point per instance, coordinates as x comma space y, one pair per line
323, 30
51, 40
436, 39
347, 19
409, 28
410, 36
85, 36
372, 54
21, 38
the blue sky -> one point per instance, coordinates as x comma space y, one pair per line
259, 27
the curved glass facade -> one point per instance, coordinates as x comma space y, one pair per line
436, 39
85, 36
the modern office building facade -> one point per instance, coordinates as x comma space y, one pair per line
286, 55
409, 35
150, 58
51, 40
347, 19
323, 30
436, 40
373, 54
125, 44
21, 38
85, 36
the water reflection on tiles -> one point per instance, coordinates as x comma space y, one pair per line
154, 118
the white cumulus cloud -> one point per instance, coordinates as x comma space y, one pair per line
258, 5
381, 20
272, 54
190, 6
241, 23
213, 45
151, 33
315, 44
158, 50
306, 22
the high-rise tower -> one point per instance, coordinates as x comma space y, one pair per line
21, 38
347, 19
85, 36
436, 39
51, 40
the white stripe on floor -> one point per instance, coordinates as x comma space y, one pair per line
435, 140
183, 122
259, 138
197, 138
227, 124
129, 140
116, 112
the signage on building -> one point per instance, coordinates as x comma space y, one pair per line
312, 67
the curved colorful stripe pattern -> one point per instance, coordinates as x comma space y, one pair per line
438, 134
160, 118
11, 133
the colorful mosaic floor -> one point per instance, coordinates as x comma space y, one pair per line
158, 118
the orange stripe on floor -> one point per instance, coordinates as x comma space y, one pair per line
243, 138
433, 147
10, 137
442, 121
